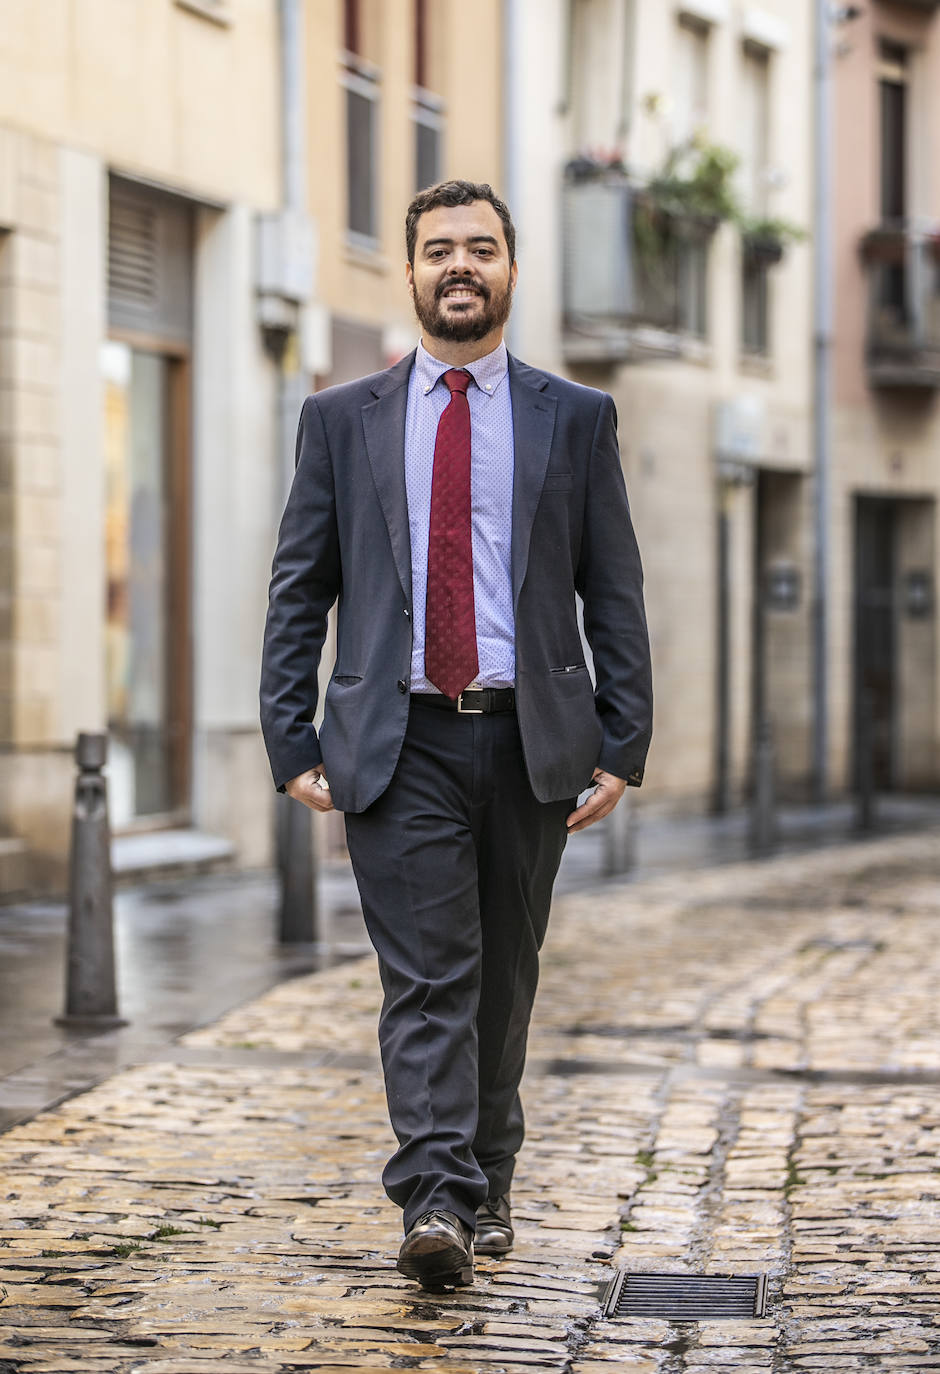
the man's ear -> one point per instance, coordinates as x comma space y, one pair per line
410, 277
513, 274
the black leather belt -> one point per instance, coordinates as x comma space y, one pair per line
475, 701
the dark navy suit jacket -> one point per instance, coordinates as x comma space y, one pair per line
344, 538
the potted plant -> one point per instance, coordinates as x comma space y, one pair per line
695, 187
887, 244
765, 240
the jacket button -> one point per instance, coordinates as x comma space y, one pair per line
407, 613
402, 685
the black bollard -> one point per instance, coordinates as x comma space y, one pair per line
297, 921
620, 838
91, 992
865, 766
763, 800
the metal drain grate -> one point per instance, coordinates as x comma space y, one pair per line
686, 1297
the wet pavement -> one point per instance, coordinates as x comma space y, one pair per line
732, 1069
185, 951
188, 950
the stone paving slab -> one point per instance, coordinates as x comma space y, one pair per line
731, 1071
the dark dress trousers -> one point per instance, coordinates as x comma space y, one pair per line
456, 824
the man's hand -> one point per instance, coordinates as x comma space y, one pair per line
312, 789
607, 792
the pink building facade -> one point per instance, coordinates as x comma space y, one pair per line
884, 700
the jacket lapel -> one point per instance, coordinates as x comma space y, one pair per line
383, 423
533, 425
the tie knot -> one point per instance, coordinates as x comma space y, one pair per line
457, 380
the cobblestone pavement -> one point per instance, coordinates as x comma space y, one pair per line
734, 1070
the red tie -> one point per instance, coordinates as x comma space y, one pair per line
450, 635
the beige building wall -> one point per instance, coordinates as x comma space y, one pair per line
182, 95
886, 438
620, 85
367, 321
367, 286
161, 89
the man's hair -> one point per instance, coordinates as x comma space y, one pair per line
451, 193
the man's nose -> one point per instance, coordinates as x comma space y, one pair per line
461, 261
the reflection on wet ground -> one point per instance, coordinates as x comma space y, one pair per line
189, 950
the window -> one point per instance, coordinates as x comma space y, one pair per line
596, 53
361, 80
692, 280
893, 101
891, 282
670, 276
690, 91
421, 36
429, 132
146, 366
361, 155
351, 27
753, 184
755, 332
427, 110
755, 128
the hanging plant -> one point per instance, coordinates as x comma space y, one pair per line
696, 183
885, 245
594, 164
766, 240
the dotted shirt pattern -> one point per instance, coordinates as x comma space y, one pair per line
491, 475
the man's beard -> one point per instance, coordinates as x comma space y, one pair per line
460, 328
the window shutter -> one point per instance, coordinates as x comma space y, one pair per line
132, 256
149, 262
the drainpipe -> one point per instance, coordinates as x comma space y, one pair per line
822, 343
286, 271
296, 251
292, 106
514, 49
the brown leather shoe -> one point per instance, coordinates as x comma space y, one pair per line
494, 1233
438, 1252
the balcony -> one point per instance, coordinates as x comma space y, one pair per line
634, 276
902, 347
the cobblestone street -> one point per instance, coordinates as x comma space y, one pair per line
731, 1070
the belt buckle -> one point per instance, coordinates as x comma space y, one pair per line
469, 710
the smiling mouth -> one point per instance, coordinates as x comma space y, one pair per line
460, 293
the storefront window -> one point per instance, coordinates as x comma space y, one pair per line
139, 633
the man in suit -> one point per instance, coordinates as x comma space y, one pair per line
453, 506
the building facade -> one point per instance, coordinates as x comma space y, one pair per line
660, 167
391, 80
201, 220
883, 662
139, 146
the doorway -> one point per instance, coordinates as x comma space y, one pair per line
146, 368
895, 661
146, 546
876, 630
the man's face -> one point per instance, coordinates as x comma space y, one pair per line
462, 279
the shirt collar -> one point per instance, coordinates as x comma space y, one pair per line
488, 371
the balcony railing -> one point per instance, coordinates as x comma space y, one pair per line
634, 277
903, 339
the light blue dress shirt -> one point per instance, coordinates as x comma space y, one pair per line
491, 472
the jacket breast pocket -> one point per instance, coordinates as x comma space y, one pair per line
347, 679
558, 481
